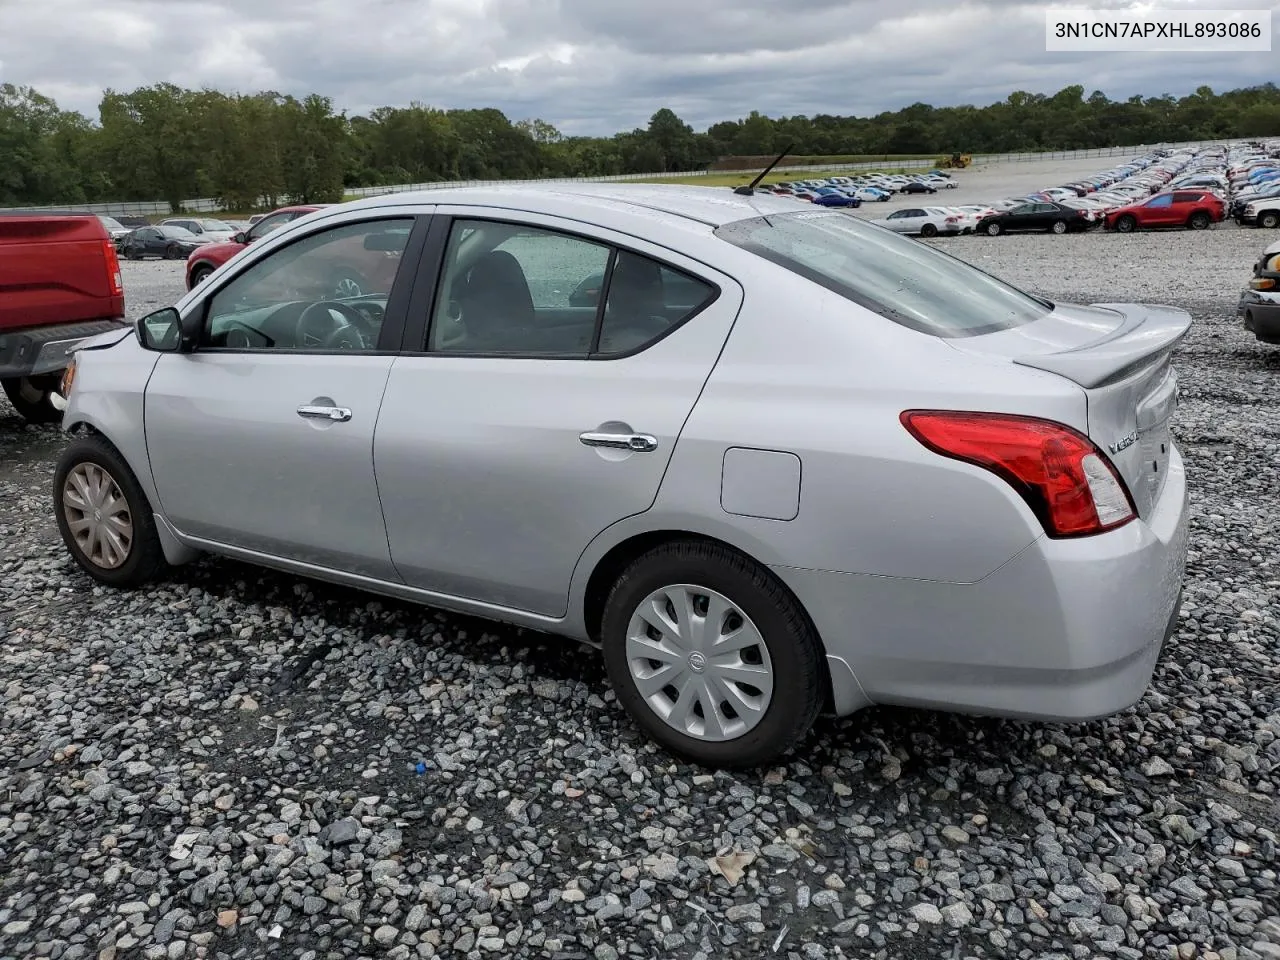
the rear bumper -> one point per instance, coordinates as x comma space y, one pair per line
1261, 313
39, 350
1065, 630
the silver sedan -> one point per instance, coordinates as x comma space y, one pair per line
767, 459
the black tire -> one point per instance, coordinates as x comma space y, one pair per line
145, 559
1199, 221
992, 229
1126, 224
1269, 219
173, 252
928, 230
1058, 226
32, 397
793, 647
200, 274
131, 253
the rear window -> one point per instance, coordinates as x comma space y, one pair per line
903, 280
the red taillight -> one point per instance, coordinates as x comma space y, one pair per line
953, 219
114, 279
1068, 483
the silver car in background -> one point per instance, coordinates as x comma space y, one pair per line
765, 458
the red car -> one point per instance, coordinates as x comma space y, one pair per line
1196, 209
204, 260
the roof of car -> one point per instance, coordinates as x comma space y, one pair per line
712, 206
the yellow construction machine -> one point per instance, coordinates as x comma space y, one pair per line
956, 161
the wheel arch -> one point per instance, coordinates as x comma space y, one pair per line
176, 552
841, 690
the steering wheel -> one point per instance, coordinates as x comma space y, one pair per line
319, 327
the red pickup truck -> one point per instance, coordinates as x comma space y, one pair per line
60, 283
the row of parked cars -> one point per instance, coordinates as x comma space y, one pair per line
1161, 189
171, 239
843, 191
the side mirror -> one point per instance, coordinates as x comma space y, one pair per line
241, 237
163, 332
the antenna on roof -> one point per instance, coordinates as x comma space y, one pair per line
750, 188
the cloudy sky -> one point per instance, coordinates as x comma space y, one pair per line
591, 66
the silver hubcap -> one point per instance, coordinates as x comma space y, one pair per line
97, 515
699, 662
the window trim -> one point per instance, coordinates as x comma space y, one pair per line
393, 320
434, 270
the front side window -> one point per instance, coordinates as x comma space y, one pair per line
909, 283
1161, 201
327, 291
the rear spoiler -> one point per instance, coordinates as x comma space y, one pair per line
1147, 336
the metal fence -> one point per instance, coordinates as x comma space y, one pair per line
210, 205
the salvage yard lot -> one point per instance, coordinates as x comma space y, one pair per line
225, 764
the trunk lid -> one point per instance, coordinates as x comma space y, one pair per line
1119, 354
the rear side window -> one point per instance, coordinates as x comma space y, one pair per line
516, 290
896, 277
1188, 197
645, 300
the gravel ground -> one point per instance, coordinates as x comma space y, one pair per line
242, 764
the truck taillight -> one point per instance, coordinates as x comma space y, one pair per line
113, 269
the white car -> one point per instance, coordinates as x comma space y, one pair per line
206, 228
923, 221
968, 218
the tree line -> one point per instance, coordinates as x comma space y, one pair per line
164, 142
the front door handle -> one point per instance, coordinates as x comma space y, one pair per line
635, 442
315, 412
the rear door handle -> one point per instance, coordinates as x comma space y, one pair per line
636, 442
315, 412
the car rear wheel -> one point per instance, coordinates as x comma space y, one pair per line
712, 656
1126, 224
1059, 226
992, 229
928, 230
104, 517
32, 397
1270, 220
1199, 221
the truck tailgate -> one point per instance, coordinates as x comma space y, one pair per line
55, 270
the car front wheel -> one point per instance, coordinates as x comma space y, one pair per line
1126, 224
104, 517
992, 229
712, 656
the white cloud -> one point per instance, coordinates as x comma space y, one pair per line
588, 66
